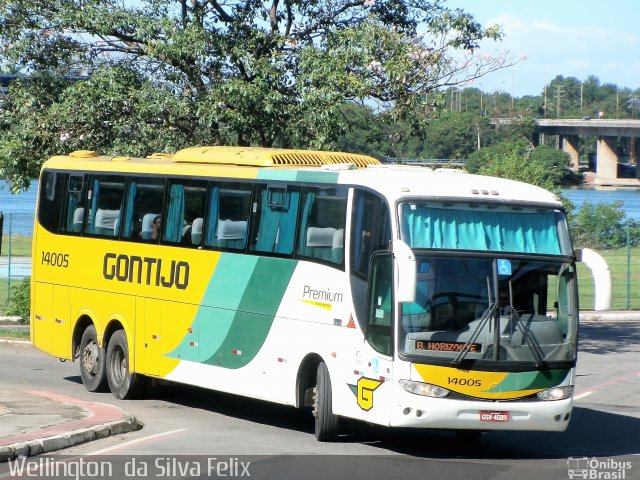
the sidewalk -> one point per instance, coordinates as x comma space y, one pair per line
610, 316
34, 422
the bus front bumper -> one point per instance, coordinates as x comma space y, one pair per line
416, 411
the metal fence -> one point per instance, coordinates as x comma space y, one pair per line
15, 255
624, 264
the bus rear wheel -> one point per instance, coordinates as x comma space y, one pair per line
122, 383
92, 361
326, 423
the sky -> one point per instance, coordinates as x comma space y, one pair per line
572, 38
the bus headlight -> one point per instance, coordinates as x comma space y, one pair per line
424, 389
555, 393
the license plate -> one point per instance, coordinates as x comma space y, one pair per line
494, 416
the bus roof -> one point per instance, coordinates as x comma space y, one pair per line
394, 181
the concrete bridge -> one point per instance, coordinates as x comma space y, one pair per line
607, 133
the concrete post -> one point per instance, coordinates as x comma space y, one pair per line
635, 154
569, 144
607, 160
601, 277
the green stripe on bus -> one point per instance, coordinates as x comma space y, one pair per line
218, 307
256, 312
298, 176
518, 381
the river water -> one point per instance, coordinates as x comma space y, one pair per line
629, 196
22, 205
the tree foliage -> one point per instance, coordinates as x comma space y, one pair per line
19, 303
518, 160
163, 73
603, 226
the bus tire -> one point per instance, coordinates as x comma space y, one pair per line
326, 422
123, 384
92, 359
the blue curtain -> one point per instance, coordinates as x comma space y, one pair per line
94, 206
175, 215
269, 221
425, 227
278, 221
128, 221
212, 223
288, 224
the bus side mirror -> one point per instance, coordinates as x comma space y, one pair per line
405, 275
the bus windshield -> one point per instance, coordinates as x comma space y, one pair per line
484, 227
491, 309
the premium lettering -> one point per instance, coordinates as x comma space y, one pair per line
146, 270
321, 295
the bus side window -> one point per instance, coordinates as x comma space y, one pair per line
274, 221
322, 223
371, 229
143, 204
73, 211
52, 190
227, 217
186, 204
105, 205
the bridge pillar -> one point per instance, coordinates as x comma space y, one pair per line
569, 144
634, 154
607, 160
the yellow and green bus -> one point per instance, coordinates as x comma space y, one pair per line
399, 296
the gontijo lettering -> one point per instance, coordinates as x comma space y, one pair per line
147, 270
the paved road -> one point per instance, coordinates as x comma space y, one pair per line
181, 420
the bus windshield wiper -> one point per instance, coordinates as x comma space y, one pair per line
528, 337
488, 313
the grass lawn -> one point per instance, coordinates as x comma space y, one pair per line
617, 261
15, 334
20, 245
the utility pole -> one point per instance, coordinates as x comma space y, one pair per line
559, 95
581, 87
545, 101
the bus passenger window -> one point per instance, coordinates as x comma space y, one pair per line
50, 202
105, 202
186, 204
143, 204
227, 218
321, 232
73, 211
275, 220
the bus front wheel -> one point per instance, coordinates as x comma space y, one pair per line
122, 383
92, 361
326, 423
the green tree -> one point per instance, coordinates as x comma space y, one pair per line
247, 72
542, 166
603, 226
20, 305
518, 166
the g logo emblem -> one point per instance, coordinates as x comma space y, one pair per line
366, 387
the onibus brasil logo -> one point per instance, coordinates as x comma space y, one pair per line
597, 469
